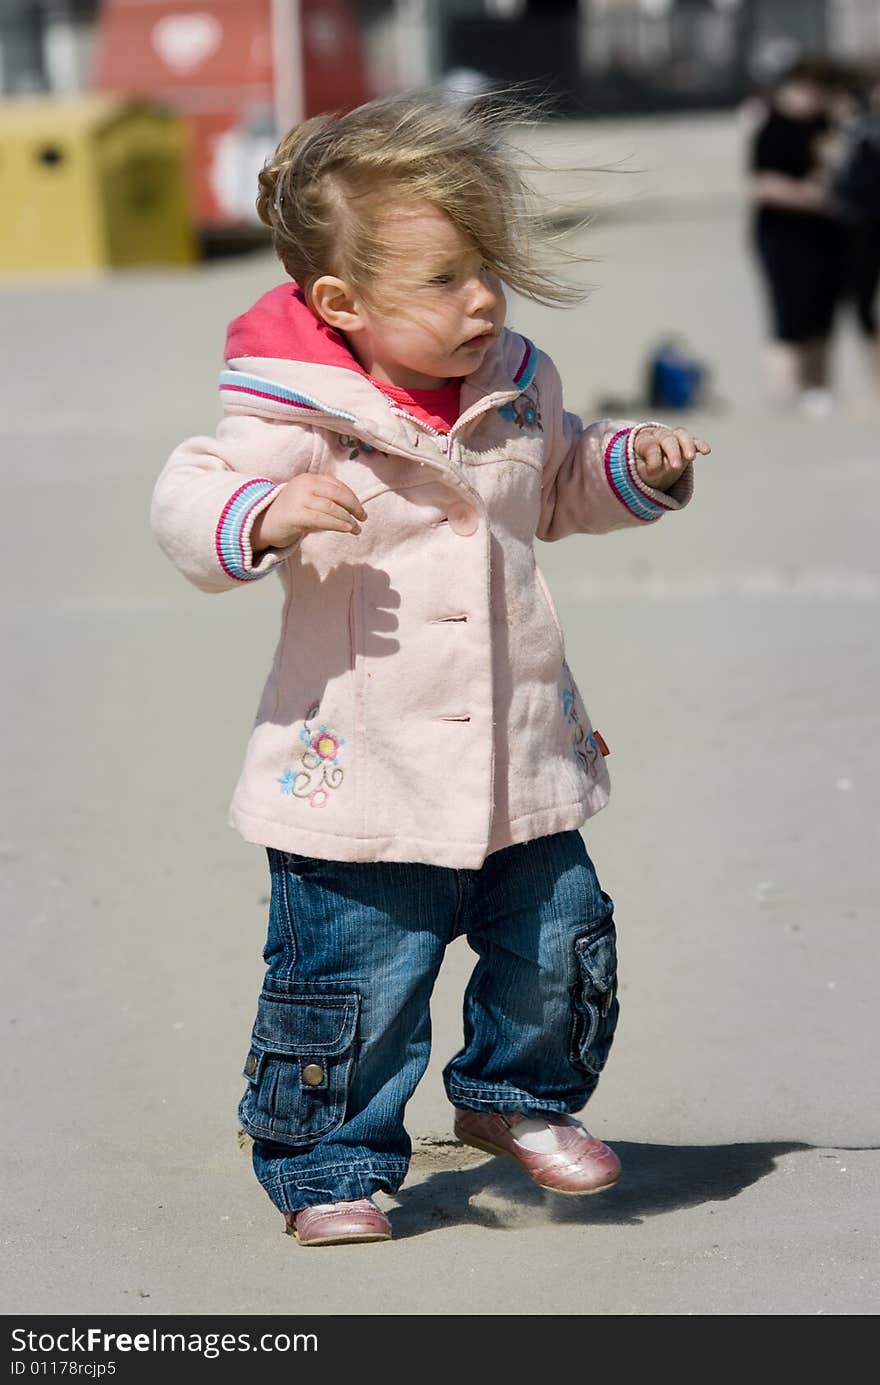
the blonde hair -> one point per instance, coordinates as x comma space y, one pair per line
324, 192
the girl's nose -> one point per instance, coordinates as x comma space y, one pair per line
485, 294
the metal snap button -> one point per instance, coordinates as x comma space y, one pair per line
313, 1074
250, 1066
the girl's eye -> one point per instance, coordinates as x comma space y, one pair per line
442, 279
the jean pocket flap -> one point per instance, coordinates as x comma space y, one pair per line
597, 959
296, 1024
595, 999
302, 1054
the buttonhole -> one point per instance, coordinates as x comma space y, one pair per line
446, 620
458, 718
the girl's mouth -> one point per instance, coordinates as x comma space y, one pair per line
474, 343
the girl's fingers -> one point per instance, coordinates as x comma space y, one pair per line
344, 496
329, 515
669, 452
690, 445
333, 507
342, 499
687, 444
664, 449
672, 450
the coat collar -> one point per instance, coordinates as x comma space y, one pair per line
282, 362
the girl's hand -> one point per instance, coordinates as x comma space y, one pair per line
663, 454
307, 503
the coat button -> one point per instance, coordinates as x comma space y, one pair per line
250, 1066
463, 519
313, 1074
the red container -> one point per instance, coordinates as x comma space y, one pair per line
239, 73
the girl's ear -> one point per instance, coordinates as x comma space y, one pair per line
335, 303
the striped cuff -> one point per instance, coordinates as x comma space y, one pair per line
232, 536
640, 499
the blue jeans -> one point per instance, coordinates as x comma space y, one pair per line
343, 1032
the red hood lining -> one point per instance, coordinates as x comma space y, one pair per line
281, 325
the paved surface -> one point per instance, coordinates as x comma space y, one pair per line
730, 657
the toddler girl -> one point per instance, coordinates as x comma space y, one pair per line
421, 759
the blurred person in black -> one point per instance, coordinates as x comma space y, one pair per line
797, 236
856, 186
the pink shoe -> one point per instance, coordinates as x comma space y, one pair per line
569, 1159
338, 1223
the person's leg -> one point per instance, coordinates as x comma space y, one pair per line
783, 373
540, 1013
779, 259
342, 1033
825, 290
541, 1006
816, 398
804, 281
866, 281
872, 361
816, 368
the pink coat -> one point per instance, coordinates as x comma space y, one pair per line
419, 706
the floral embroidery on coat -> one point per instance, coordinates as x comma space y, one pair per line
525, 411
354, 446
584, 744
320, 764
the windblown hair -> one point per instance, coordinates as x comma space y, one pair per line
324, 192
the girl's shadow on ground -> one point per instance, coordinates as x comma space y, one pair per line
449, 1187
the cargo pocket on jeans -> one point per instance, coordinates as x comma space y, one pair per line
595, 999
299, 1065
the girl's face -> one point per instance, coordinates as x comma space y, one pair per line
439, 309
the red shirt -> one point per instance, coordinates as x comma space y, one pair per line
438, 408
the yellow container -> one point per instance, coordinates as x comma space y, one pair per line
92, 184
